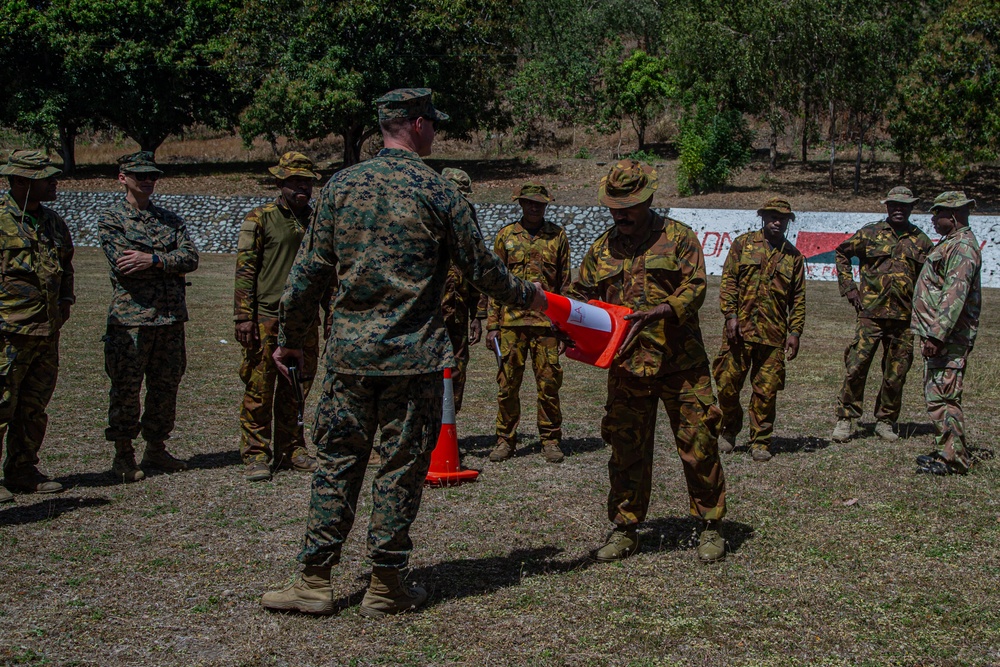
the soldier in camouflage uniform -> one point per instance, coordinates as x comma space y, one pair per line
268, 241
149, 253
655, 266
36, 292
537, 250
460, 305
386, 230
946, 304
890, 254
763, 299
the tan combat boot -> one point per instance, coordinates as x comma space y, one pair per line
711, 544
727, 442
884, 430
387, 594
157, 456
29, 479
310, 593
5, 495
622, 543
503, 451
760, 454
552, 452
843, 431
123, 468
299, 460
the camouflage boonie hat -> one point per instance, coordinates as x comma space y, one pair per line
408, 103
952, 199
532, 191
294, 163
629, 182
459, 178
35, 165
141, 162
901, 195
778, 206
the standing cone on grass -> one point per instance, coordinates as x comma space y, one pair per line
446, 469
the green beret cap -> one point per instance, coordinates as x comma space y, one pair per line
29, 164
629, 182
408, 103
138, 163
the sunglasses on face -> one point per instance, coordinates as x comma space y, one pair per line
147, 176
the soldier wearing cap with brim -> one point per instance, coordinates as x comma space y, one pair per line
763, 300
946, 303
534, 249
890, 253
382, 235
36, 292
655, 266
149, 253
270, 435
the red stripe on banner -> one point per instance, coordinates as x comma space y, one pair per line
811, 244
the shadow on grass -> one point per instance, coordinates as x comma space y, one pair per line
214, 460
913, 429
802, 444
50, 508
681, 533
481, 445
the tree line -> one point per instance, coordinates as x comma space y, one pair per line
917, 75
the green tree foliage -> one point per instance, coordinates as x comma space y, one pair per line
314, 69
641, 86
947, 111
714, 145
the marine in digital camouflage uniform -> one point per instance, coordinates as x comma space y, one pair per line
387, 230
460, 305
947, 300
534, 249
655, 266
763, 300
268, 242
149, 254
36, 292
889, 253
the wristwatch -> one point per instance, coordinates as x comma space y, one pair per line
156, 259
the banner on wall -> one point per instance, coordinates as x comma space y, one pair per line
816, 235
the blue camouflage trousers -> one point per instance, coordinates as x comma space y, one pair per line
131, 354
29, 366
407, 410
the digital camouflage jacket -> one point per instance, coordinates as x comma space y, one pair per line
665, 267
764, 288
888, 264
543, 258
155, 296
36, 269
388, 229
948, 297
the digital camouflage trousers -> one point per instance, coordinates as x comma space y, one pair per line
131, 354
516, 345
269, 400
765, 364
407, 411
629, 426
29, 367
897, 357
943, 378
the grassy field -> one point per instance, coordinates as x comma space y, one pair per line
839, 553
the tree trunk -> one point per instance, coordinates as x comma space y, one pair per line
857, 162
805, 131
67, 148
772, 163
353, 139
833, 141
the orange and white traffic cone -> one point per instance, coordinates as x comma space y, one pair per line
446, 469
597, 328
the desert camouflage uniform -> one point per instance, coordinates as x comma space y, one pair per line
946, 304
889, 264
666, 362
388, 229
542, 257
458, 305
268, 241
145, 333
765, 289
36, 277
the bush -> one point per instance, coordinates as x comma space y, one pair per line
649, 157
714, 145
583, 153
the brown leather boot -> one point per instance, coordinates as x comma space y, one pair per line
387, 594
157, 456
123, 468
310, 593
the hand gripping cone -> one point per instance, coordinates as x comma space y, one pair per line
445, 467
597, 328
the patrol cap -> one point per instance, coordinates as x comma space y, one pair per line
459, 178
952, 199
532, 191
777, 205
294, 163
629, 182
140, 162
408, 103
35, 165
901, 195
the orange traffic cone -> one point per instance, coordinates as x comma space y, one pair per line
446, 469
597, 328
